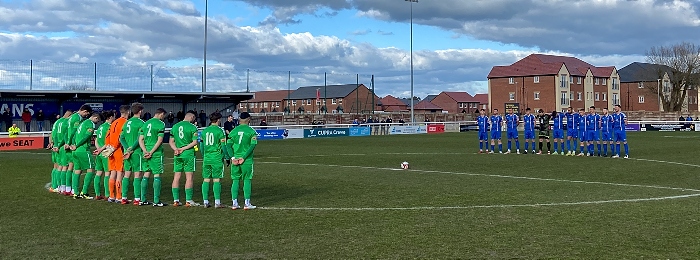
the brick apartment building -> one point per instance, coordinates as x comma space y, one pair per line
265, 102
640, 86
392, 104
348, 98
552, 83
456, 102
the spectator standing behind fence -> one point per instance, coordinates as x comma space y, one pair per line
7, 119
40, 119
13, 130
383, 127
202, 118
170, 119
27, 119
229, 125
263, 123
180, 116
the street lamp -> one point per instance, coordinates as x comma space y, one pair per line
206, 20
412, 110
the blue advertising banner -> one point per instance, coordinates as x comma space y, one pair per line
360, 131
275, 134
326, 132
16, 108
51, 108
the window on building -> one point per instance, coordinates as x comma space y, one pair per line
511, 81
579, 96
616, 99
571, 78
333, 101
277, 104
564, 98
667, 86
615, 84
308, 101
294, 102
340, 101
537, 79
597, 96
605, 81
605, 96
597, 81
640, 85
563, 83
578, 80
265, 105
571, 96
511, 96
537, 95
318, 102
460, 105
641, 99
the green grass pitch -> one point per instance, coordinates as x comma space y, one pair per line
346, 198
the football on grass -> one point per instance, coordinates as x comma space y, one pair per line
404, 165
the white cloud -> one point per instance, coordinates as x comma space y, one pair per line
135, 34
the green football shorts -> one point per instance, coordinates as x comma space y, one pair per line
242, 172
54, 157
62, 157
83, 160
101, 163
134, 163
213, 170
154, 164
185, 164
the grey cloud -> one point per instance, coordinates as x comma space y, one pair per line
380, 32
361, 32
107, 32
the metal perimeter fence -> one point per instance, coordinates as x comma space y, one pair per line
50, 75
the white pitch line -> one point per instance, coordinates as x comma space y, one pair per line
488, 175
659, 161
489, 206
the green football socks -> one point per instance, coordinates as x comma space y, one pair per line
144, 188
176, 194
75, 183
156, 189
234, 189
189, 193
96, 182
86, 182
205, 190
137, 189
106, 183
247, 187
217, 191
125, 187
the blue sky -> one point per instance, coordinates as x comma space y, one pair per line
456, 42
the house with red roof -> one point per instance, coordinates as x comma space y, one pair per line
456, 102
553, 83
483, 100
392, 104
265, 102
425, 106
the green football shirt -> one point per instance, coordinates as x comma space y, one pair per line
242, 137
73, 124
184, 133
61, 132
130, 132
102, 134
213, 140
151, 130
83, 135
56, 131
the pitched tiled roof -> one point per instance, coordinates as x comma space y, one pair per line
430, 97
642, 72
274, 95
482, 98
389, 100
541, 64
330, 91
460, 96
426, 105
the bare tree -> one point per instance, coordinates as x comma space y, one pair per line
683, 59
